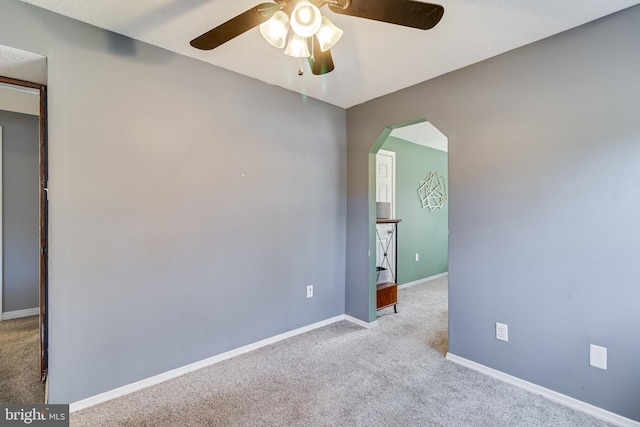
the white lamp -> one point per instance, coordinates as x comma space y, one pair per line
305, 19
275, 29
297, 46
328, 34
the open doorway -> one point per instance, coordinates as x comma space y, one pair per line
23, 241
411, 174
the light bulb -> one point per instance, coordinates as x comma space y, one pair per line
305, 19
275, 29
328, 34
297, 46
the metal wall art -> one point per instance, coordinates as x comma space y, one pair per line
432, 191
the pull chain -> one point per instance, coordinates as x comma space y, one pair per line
300, 72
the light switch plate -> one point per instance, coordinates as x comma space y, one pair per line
598, 356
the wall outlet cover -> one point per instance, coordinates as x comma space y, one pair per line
502, 332
598, 356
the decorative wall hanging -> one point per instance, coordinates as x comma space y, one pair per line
432, 191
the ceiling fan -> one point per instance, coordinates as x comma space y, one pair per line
299, 25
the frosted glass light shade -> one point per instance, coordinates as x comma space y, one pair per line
305, 19
328, 34
297, 46
275, 29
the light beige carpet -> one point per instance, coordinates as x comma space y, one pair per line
343, 375
20, 362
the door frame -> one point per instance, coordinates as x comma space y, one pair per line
43, 215
392, 260
372, 211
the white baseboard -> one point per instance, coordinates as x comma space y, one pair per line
426, 279
360, 322
157, 379
20, 313
560, 398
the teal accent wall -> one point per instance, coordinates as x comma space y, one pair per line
421, 231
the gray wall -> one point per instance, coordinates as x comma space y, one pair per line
20, 223
544, 204
190, 206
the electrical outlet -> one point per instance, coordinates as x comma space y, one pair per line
502, 332
417, 257
309, 291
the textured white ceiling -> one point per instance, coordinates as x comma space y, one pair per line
21, 65
423, 133
372, 59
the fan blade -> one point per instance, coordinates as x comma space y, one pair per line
320, 62
235, 26
401, 12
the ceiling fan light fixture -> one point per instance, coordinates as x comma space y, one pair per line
275, 29
299, 25
297, 46
328, 34
305, 19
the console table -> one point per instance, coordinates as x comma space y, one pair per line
387, 293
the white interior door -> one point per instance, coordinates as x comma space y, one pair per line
385, 178
385, 192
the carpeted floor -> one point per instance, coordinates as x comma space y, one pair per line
20, 362
343, 375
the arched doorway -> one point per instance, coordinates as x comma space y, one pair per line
418, 198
